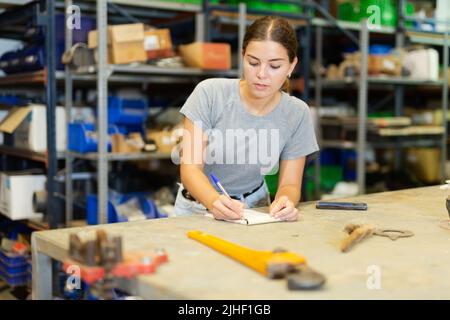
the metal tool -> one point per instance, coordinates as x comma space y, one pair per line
101, 261
357, 233
393, 234
272, 264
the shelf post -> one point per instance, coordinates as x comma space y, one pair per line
54, 217
318, 99
102, 118
68, 108
444, 107
362, 108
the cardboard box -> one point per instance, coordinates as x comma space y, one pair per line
207, 55
16, 194
131, 144
384, 64
165, 140
125, 43
28, 126
158, 44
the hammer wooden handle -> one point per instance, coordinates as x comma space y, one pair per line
356, 235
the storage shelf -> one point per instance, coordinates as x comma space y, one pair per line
232, 18
25, 153
26, 78
152, 70
121, 74
381, 81
352, 145
166, 5
423, 37
121, 156
430, 38
319, 22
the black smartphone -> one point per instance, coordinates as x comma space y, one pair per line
341, 205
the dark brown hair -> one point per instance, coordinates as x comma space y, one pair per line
275, 29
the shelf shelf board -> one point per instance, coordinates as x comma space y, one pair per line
153, 70
121, 156
232, 18
405, 81
37, 77
348, 25
25, 153
432, 141
154, 4
351, 82
430, 38
121, 74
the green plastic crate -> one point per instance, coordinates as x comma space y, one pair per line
388, 11
272, 183
357, 10
274, 7
329, 177
348, 11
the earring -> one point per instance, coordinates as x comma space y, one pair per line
289, 76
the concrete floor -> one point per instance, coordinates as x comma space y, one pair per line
6, 293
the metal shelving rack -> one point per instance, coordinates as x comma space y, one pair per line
42, 13
103, 74
364, 80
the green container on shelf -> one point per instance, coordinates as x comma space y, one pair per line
387, 11
258, 5
272, 183
329, 176
348, 11
286, 7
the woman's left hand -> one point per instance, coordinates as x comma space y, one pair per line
284, 209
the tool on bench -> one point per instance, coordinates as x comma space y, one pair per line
101, 260
393, 234
272, 264
357, 233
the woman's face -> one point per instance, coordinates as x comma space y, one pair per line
266, 66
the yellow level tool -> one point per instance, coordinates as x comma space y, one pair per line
272, 264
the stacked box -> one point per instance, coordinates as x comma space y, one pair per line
15, 269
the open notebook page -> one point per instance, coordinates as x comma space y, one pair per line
251, 217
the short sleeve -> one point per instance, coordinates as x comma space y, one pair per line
198, 107
303, 140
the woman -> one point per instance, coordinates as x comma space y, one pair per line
241, 129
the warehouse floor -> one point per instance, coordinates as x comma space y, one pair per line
6, 293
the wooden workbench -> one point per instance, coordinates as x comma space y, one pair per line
411, 268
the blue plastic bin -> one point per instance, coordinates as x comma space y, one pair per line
37, 35
28, 59
15, 269
92, 210
147, 205
12, 260
127, 111
83, 137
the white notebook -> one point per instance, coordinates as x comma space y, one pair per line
251, 217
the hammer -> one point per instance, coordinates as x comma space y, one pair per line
356, 233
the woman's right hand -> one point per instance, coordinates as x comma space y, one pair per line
227, 209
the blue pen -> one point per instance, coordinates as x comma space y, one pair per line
219, 185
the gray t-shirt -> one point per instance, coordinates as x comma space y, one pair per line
243, 147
